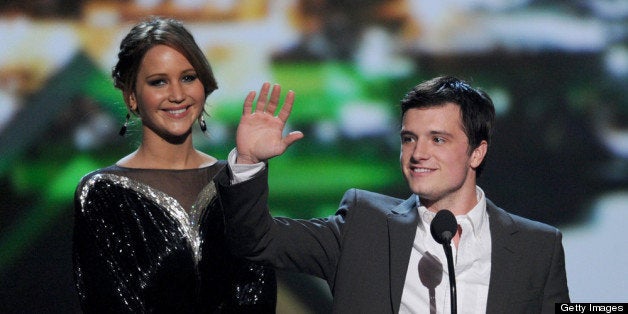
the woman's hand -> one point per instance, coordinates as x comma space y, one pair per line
260, 132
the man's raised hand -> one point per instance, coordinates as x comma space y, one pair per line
260, 132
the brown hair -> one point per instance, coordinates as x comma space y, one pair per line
158, 31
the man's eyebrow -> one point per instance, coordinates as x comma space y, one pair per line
434, 132
440, 132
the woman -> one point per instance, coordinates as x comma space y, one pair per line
149, 231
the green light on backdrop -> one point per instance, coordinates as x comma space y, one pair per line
57, 193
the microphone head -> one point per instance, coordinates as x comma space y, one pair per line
444, 226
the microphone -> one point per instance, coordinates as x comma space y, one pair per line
444, 226
443, 229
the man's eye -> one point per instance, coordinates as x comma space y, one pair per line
406, 139
439, 140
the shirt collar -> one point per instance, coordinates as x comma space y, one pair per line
477, 216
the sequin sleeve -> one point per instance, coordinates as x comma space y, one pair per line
254, 287
121, 264
98, 279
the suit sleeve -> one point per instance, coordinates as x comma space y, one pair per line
309, 246
556, 290
233, 284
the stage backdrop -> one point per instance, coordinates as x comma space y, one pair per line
556, 70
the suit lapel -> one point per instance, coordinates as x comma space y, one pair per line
402, 224
504, 258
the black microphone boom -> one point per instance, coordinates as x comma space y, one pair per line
443, 229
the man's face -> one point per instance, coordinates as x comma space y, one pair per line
435, 157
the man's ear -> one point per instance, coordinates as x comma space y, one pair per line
478, 154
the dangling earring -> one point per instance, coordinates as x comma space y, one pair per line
201, 122
126, 122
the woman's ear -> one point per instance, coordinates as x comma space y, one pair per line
131, 101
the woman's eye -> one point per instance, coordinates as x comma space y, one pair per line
189, 78
158, 82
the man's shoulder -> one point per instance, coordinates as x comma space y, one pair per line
520, 223
371, 196
368, 199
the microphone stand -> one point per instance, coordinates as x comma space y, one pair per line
443, 229
452, 276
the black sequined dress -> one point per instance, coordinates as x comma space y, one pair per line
152, 241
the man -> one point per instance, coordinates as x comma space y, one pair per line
376, 253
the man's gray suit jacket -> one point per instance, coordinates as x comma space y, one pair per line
363, 250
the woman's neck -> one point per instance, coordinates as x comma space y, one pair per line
161, 154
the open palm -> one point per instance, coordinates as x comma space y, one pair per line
260, 132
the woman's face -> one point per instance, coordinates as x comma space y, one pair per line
168, 95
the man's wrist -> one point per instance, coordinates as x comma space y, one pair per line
242, 172
246, 159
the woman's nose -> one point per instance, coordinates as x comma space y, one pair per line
177, 93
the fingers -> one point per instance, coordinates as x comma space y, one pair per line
292, 137
263, 97
274, 99
284, 113
248, 103
269, 105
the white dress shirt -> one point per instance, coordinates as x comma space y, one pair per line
242, 172
426, 288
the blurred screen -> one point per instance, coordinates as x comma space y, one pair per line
556, 71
